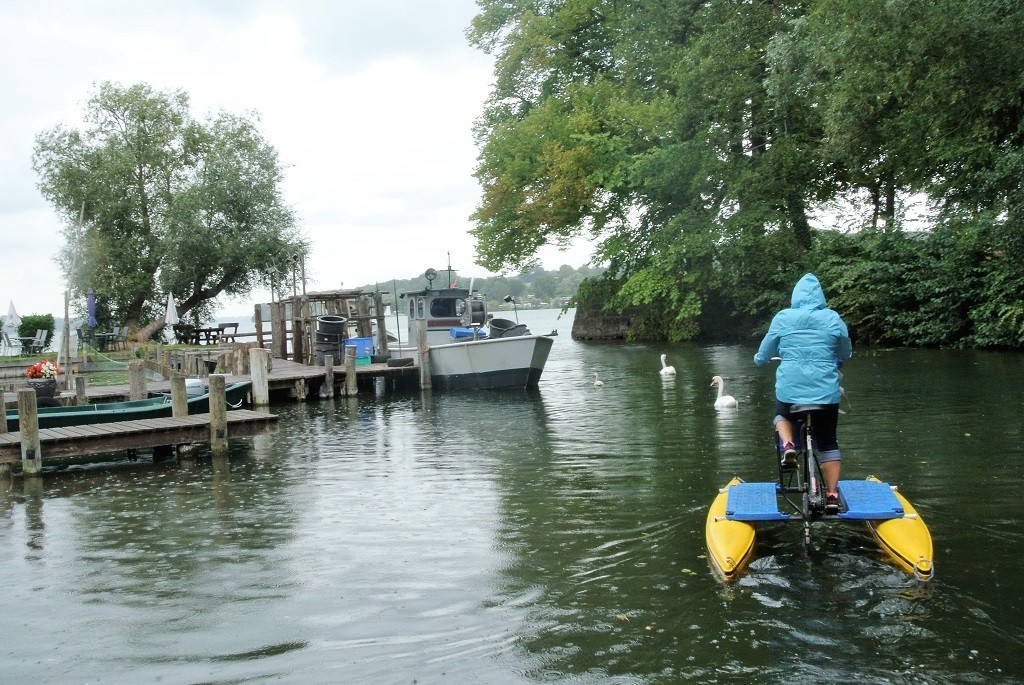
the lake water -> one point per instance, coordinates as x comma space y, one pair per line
553, 537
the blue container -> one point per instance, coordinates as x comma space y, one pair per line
459, 333
364, 346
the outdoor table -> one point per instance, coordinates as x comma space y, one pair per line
103, 340
206, 335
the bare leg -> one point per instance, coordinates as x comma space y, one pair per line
785, 429
830, 470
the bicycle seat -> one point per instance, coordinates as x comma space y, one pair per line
804, 408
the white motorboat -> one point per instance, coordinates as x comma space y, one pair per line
467, 348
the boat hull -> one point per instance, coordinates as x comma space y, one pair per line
906, 540
158, 407
514, 363
730, 543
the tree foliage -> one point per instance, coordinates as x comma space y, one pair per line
157, 202
710, 149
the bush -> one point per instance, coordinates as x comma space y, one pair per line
30, 324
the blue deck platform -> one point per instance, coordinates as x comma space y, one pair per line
863, 500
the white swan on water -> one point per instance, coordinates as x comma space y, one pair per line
723, 401
598, 383
666, 370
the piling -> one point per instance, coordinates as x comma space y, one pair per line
3, 403
424, 354
79, 390
136, 381
351, 382
179, 400
218, 416
28, 424
382, 342
260, 372
328, 376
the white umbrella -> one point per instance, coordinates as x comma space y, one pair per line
171, 315
12, 320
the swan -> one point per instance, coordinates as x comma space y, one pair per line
723, 401
598, 383
666, 370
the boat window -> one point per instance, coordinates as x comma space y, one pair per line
420, 308
447, 307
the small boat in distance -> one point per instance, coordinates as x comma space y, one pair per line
469, 349
107, 412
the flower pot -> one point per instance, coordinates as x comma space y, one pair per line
44, 387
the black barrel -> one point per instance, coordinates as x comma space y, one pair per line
330, 338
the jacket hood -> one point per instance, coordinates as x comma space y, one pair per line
808, 294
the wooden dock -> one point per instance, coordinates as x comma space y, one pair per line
65, 444
285, 376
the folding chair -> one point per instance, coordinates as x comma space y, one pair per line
9, 345
38, 344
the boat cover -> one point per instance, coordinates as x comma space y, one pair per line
869, 500
753, 502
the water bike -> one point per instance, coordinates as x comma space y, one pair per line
799, 496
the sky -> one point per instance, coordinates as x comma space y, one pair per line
370, 106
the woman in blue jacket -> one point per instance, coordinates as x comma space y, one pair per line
812, 342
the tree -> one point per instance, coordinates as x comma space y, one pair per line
168, 204
695, 141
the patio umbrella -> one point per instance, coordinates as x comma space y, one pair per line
90, 304
171, 315
12, 320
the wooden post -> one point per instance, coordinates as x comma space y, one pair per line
80, 390
328, 376
351, 382
279, 339
257, 318
307, 335
136, 381
298, 341
28, 424
3, 405
424, 355
363, 317
382, 333
258, 363
179, 401
218, 416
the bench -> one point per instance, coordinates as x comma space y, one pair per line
228, 331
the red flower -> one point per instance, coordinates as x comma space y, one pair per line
43, 369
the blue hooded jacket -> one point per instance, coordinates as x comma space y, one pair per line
810, 339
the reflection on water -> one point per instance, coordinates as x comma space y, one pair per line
515, 538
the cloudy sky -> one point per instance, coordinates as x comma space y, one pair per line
369, 104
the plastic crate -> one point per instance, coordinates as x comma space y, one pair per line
364, 346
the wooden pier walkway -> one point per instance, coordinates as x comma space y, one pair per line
79, 441
285, 375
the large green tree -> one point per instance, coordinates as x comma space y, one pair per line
699, 141
157, 202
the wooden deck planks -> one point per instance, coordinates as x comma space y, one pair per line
83, 440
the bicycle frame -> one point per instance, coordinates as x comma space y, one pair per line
807, 479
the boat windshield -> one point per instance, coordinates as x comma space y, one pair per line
441, 307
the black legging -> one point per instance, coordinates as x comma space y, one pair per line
825, 422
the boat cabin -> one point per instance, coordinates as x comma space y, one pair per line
451, 314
